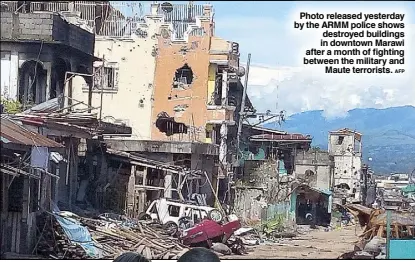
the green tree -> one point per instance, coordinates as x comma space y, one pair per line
11, 106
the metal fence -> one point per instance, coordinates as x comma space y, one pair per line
280, 211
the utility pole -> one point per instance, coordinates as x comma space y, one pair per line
102, 85
364, 193
241, 112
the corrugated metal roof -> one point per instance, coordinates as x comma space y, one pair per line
146, 161
48, 106
12, 132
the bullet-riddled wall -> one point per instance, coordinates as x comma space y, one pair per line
128, 78
181, 87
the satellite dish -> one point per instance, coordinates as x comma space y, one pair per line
167, 7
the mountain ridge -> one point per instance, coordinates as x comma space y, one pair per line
388, 134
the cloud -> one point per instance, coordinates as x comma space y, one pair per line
267, 39
298, 89
281, 83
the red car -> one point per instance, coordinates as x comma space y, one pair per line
208, 231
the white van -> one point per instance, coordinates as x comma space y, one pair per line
168, 212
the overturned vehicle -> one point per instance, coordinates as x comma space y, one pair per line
194, 225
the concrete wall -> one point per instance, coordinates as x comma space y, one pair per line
321, 172
46, 27
134, 61
193, 99
259, 188
347, 162
319, 165
6, 90
345, 148
188, 105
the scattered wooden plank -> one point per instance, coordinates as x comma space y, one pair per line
380, 231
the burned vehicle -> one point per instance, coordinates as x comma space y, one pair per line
172, 213
208, 231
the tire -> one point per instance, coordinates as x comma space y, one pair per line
215, 215
144, 216
171, 228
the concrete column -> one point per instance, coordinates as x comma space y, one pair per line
145, 176
167, 185
225, 88
46, 94
131, 192
14, 75
223, 148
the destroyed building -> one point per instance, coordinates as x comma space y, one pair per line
42, 50
128, 48
345, 146
264, 189
190, 112
26, 185
173, 95
315, 168
39, 51
198, 91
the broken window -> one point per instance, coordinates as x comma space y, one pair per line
209, 133
183, 77
60, 67
32, 83
309, 173
109, 77
167, 125
174, 211
340, 140
23, 6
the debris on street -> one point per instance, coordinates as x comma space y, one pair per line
372, 243
64, 237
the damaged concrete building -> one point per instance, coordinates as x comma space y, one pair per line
263, 191
38, 51
315, 168
198, 93
128, 48
42, 50
181, 99
345, 146
26, 185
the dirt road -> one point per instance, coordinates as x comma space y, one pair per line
312, 245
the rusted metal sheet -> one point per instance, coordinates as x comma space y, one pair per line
12, 132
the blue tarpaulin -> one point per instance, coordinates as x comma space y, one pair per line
79, 235
402, 249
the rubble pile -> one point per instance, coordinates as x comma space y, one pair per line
108, 239
372, 242
147, 239
53, 242
248, 236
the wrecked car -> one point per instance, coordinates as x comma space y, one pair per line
171, 213
209, 231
